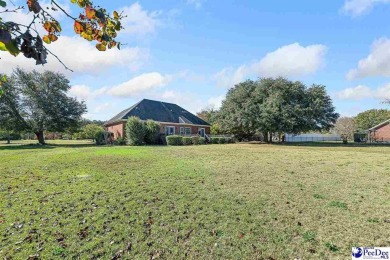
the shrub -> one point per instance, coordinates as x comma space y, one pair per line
135, 131
120, 141
222, 140
202, 140
187, 140
214, 140
174, 140
152, 132
195, 140
103, 137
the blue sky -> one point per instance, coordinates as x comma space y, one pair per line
191, 52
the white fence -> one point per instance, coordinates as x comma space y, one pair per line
312, 138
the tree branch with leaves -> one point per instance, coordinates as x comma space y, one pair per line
94, 23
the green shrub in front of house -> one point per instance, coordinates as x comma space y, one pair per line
120, 141
152, 132
174, 140
222, 140
135, 131
103, 138
195, 140
202, 140
214, 140
187, 140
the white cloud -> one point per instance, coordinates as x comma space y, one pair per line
103, 107
229, 77
292, 60
138, 20
196, 3
377, 63
84, 92
359, 7
81, 56
139, 84
216, 102
363, 92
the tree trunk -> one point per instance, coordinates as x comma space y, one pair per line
40, 137
8, 137
265, 136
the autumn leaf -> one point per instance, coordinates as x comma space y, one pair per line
48, 27
81, 3
78, 27
116, 15
46, 39
52, 37
90, 12
101, 47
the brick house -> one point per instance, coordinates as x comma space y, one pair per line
173, 119
380, 133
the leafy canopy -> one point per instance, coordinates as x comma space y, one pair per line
276, 106
371, 118
94, 23
39, 102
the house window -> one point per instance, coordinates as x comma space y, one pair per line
188, 130
181, 130
169, 130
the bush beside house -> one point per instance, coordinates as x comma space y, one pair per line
174, 140
135, 131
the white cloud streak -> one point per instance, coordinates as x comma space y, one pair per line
362, 92
377, 63
360, 7
292, 60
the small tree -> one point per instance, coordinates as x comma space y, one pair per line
152, 132
345, 127
92, 131
135, 131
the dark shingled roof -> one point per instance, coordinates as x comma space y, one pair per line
158, 111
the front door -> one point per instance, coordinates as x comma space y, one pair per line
202, 132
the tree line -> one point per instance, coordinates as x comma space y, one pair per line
272, 107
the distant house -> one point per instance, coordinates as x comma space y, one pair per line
380, 132
173, 119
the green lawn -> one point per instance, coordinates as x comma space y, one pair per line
241, 201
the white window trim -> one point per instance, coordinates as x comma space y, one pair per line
185, 130
174, 130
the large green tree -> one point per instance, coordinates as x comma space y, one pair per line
41, 103
276, 106
371, 118
10, 105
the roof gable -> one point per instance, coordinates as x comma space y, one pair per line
379, 125
158, 111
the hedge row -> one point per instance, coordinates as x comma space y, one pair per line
180, 140
221, 140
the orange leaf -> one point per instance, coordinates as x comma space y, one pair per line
90, 12
48, 27
53, 37
78, 27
